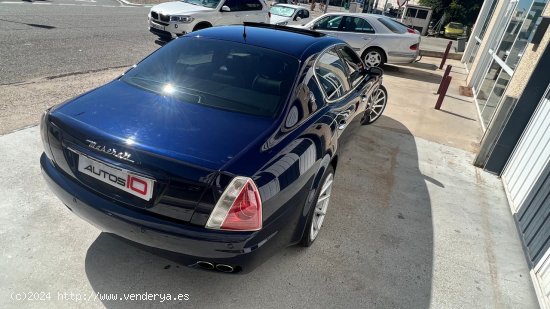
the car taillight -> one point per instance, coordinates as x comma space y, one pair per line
411, 30
414, 47
239, 208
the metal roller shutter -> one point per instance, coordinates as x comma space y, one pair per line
527, 182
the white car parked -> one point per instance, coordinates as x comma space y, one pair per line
289, 14
176, 18
376, 38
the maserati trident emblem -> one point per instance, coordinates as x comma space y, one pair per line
111, 151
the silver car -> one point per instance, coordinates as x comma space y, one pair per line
376, 38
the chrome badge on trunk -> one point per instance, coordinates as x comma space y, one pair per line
111, 151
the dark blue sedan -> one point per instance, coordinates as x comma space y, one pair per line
222, 145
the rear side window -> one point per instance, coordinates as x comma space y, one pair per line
393, 26
220, 74
357, 24
331, 72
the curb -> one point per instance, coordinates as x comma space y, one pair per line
436, 54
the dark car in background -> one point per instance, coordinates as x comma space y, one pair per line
222, 145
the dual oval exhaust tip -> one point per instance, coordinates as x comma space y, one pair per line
219, 267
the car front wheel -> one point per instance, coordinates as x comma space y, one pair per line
317, 213
376, 105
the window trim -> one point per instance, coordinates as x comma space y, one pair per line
326, 17
352, 89
339, 51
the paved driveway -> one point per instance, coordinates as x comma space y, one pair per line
406, 229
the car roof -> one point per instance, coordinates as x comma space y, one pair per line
279, 38
364, 15
294, 6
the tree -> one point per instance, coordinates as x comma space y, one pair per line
463, 11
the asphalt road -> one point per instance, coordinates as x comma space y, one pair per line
51, 38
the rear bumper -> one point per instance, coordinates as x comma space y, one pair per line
403, 57
243, 250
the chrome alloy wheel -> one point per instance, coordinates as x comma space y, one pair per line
378, 103
373, 58
321, 207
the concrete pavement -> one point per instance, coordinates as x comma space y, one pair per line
412, 224
51, 38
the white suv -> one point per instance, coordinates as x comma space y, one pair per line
180, 17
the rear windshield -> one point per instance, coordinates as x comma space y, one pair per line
393, 26
220, 74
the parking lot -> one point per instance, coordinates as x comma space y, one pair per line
412, 224
410, 217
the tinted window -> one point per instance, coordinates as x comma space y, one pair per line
302, 14
393, 26
357, 24
331, 72
354, 65
331, 22
234, 5
220, 74
251, 5
422, 14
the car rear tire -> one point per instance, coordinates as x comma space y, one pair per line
318, 210
374, 57
377, 104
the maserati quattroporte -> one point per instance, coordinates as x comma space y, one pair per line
221, 146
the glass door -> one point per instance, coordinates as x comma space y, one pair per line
479, 31
519, 31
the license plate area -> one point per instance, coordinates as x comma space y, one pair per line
157, 26
121, 179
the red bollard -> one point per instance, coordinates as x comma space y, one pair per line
445, 55
447, 72
445, 87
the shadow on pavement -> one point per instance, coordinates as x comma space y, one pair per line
30, 25
410, 72
422, 65
161, 42
375, 248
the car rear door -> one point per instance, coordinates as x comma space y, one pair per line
331, 72
357, 32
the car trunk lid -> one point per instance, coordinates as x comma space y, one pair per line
180, 146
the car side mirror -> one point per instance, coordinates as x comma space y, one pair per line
225, 8
315, 26
297, 18
375, 71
